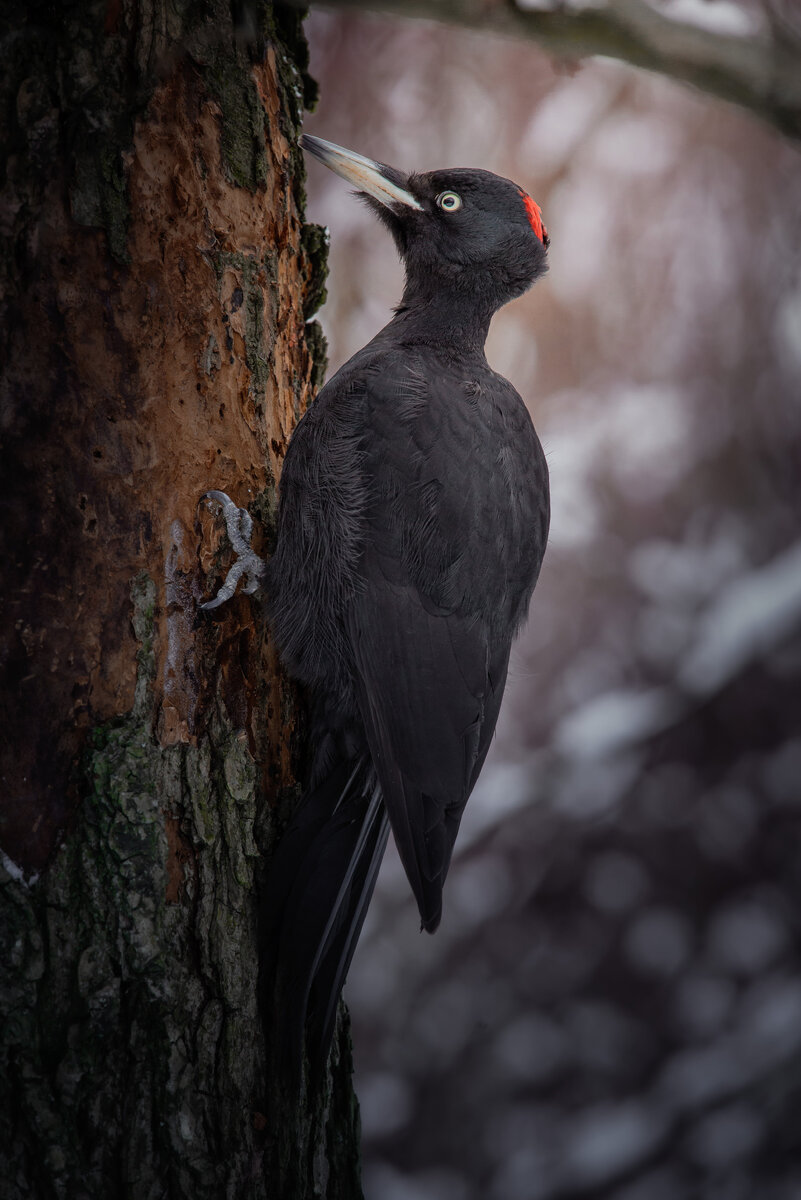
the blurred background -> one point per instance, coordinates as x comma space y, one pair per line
612, 1006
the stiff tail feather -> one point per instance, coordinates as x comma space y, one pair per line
318, 891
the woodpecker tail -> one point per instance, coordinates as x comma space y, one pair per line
320, 884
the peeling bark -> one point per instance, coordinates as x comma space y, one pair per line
157, 279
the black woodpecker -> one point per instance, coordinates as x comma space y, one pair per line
412, 522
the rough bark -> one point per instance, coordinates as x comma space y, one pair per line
760, 72
156, 279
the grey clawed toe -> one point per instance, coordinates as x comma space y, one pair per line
247, 564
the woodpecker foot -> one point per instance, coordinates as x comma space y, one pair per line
239, 524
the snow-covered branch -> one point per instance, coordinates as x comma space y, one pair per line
745, 52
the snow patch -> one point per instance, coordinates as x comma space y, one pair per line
716, 16
610, 1139
751, 616
614, 721
564, 118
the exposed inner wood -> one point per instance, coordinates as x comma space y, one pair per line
182, 371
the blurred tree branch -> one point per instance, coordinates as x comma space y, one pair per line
760, 72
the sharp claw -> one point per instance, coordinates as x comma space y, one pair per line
239, 524
221, 597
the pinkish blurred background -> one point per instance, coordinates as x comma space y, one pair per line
612, 1007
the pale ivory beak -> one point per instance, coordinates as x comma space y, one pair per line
363, 173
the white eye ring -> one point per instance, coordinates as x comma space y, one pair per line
449, 201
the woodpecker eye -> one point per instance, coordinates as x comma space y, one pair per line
449, 201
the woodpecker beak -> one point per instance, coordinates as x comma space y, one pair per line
374, 178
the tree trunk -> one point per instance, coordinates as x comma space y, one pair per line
156, 281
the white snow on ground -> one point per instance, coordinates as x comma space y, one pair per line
641, 431
633, 145
613, 721
609, 1139
683, 574
788, 326
716, 16
750, 617
502, 788
724, 17
564, 118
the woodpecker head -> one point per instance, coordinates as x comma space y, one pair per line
464, 230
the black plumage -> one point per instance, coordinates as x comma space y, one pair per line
412, 523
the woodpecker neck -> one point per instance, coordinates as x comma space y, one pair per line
441, 316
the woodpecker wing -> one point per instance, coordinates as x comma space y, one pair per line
451, 530
429, 696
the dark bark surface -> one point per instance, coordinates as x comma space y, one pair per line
156, 278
